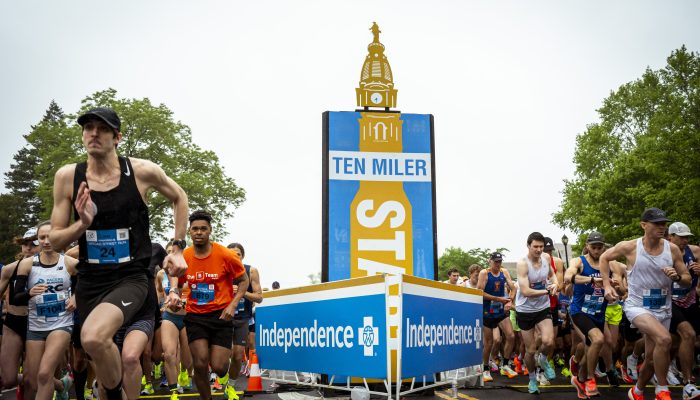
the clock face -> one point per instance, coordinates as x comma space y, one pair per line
376, 98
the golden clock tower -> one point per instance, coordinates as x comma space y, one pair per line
376, 83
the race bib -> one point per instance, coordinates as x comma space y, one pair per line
593, 304
241, 306
203, 293
50, 305
496, 309
680, 292
654, 299
108, 246
538, 285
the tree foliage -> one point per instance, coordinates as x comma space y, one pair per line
644, 152
455, 257
149, 132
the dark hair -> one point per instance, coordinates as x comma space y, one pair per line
535, 236
200, 215
473, 268
452, 271
238, 246
275, 285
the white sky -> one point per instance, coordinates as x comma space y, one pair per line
510, 83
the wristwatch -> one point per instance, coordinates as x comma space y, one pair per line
676, 278
180, 243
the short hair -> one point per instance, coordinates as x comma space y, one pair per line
41, 225
535, 236
200, 215
474, 268
452, 271
238, 246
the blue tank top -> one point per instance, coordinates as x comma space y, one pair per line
686, 297
495, 286
589, 299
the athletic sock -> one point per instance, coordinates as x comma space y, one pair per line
79, 381
173, 386
114, 393
637, 390
660, 389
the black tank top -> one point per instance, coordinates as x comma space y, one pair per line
118, 239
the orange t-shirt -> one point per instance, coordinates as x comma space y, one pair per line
210, 279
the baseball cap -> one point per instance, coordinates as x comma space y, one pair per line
679, 229
595, 237
654, 214
548, 244
105, 114
496, 256
275, 285
30, 235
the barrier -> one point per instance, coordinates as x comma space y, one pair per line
393, 328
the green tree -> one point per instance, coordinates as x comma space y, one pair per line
11, 206
642, 153
149, 132
455, 257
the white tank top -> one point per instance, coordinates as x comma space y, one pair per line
648, 286
538, 280
47, 311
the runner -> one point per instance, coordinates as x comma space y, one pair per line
655, 265
532, 304
497, 305
44, 281
108, 197
557, 265
453, 277
587, 310
211, 303
244, 312
685, 319
473, 280
15, 324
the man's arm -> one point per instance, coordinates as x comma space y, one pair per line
511, 285
256, 295
679, 268
570, 276
62, 232
559, 263
524, 282
5, 275
621, 249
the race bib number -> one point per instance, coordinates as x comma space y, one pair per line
50, 305
496, 309
538, 285
593, 304
654, 299
203, 293
680, 292
108, 246
241, 306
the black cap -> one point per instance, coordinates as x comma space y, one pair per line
654, 215
275, 285
595, 237
548, 244
496, 256
105, 114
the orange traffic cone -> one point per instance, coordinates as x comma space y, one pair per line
255, 380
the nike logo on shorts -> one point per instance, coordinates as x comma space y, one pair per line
126, 304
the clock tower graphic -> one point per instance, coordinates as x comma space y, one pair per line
376, 82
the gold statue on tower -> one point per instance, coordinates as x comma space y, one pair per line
376, 82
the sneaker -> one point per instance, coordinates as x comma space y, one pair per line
672, 379
212, 377
526, 371
487, 376
163, 381
95, 390
632, 367
518, 365
87, 394
551, 364
560, 362
542, 379
591, 388
493, 366
653, 380
573, 366
532, 387
19, 392
143, 380
547, 368
230, 393
613, 378
180, 389
216, 385
173, 395
157, 370
663, 395
507, 371
147, 389
566, 373
691, 392
599, 373
631, 395
67, 381
625, 376
183, 379
580, 388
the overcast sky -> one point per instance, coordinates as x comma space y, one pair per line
510, 83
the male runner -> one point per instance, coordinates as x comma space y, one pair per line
532, 304
211, 304
557, 265
497, 304
655, 265
685, 314
453, 277
108, 196
587, 310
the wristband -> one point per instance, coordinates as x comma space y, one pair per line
180, 243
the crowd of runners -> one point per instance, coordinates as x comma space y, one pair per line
92, 303
595, 317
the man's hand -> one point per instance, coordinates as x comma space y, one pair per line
70, 303
173, 301
37, 290
174, 264
84, 206
228, 312
671, 273
695, 267
610, 294
552, 289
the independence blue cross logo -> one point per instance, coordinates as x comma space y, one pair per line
368, 336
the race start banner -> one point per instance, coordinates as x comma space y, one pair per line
341, 328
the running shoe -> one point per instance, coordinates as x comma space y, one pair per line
663, 395
95, 390
653, 380
518, 365
573, 366
147, 389
143, 380
560, 362
551, 364
532, 387
591, 388
632, 367
632, 395
613, 377
180, 389
493, 366
625, 376
67, 381
87, 394
542, 379
566, 373
526, 371
507, 371
487, 376
599, 373
618, 364
691, 392
672, 379
216, 385
580, 388
19, 392
548, 369
183, 379
157, 370
173, 395
163, 381
230, 393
